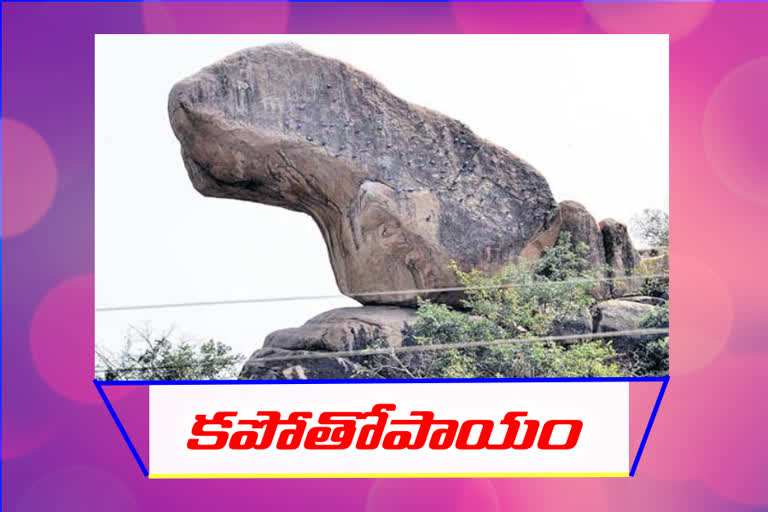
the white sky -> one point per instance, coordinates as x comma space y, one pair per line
590, 112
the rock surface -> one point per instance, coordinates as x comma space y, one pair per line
332, 331
398, 191
346, 329
583, 228
576, 323
622, 315
576, 220
644, 299
621, 257
320, 368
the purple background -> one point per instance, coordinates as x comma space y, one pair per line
60, 448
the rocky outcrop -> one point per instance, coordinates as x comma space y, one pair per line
398, 191
622, 315
655, 265
346, 329
621, 257
336, 330
579, 223
644, 299
260, 366
576, 220
579, 322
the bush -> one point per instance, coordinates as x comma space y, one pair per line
651, 359
521, 301
161, 358
658, 318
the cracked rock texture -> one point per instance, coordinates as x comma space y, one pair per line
332, 331
621, 257
398, 191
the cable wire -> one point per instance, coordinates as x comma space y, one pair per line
417, 291
565, 338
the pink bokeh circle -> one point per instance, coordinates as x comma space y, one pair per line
22, 437
735, 460
519, 17
710, 428
397, 494
29, 177
61, 340
734, 129
678, 19
477, 495
215, 17
701, 314
78, 488
552, 494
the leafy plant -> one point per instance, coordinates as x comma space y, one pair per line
522, 301
158, 357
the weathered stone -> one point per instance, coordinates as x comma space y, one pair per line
346, 329
260, 367
579, 322
398, 191
655, 265
576, 220
621, 257
644, 299
332, 331
622, 315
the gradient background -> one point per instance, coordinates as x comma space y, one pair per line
708, 450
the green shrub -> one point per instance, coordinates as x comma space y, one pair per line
158, 357
650, 359
521, 301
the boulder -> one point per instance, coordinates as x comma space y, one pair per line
260, 367
346, 329
336, 330
621, 257
655, 265
576, 220
622, 315
397, 190
579, 322
644, 299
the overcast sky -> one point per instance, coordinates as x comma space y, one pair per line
588, 111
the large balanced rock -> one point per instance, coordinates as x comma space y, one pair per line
336, 330
621, 257
398, 191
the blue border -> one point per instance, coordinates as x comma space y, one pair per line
370, 381
649, 426
121, 428
646, 434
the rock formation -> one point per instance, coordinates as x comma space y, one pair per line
398, 192
333, 331
346, 329
622, 315
621, 256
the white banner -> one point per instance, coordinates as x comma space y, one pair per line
389, 429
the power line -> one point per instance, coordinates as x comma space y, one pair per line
566, 338
416, 291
